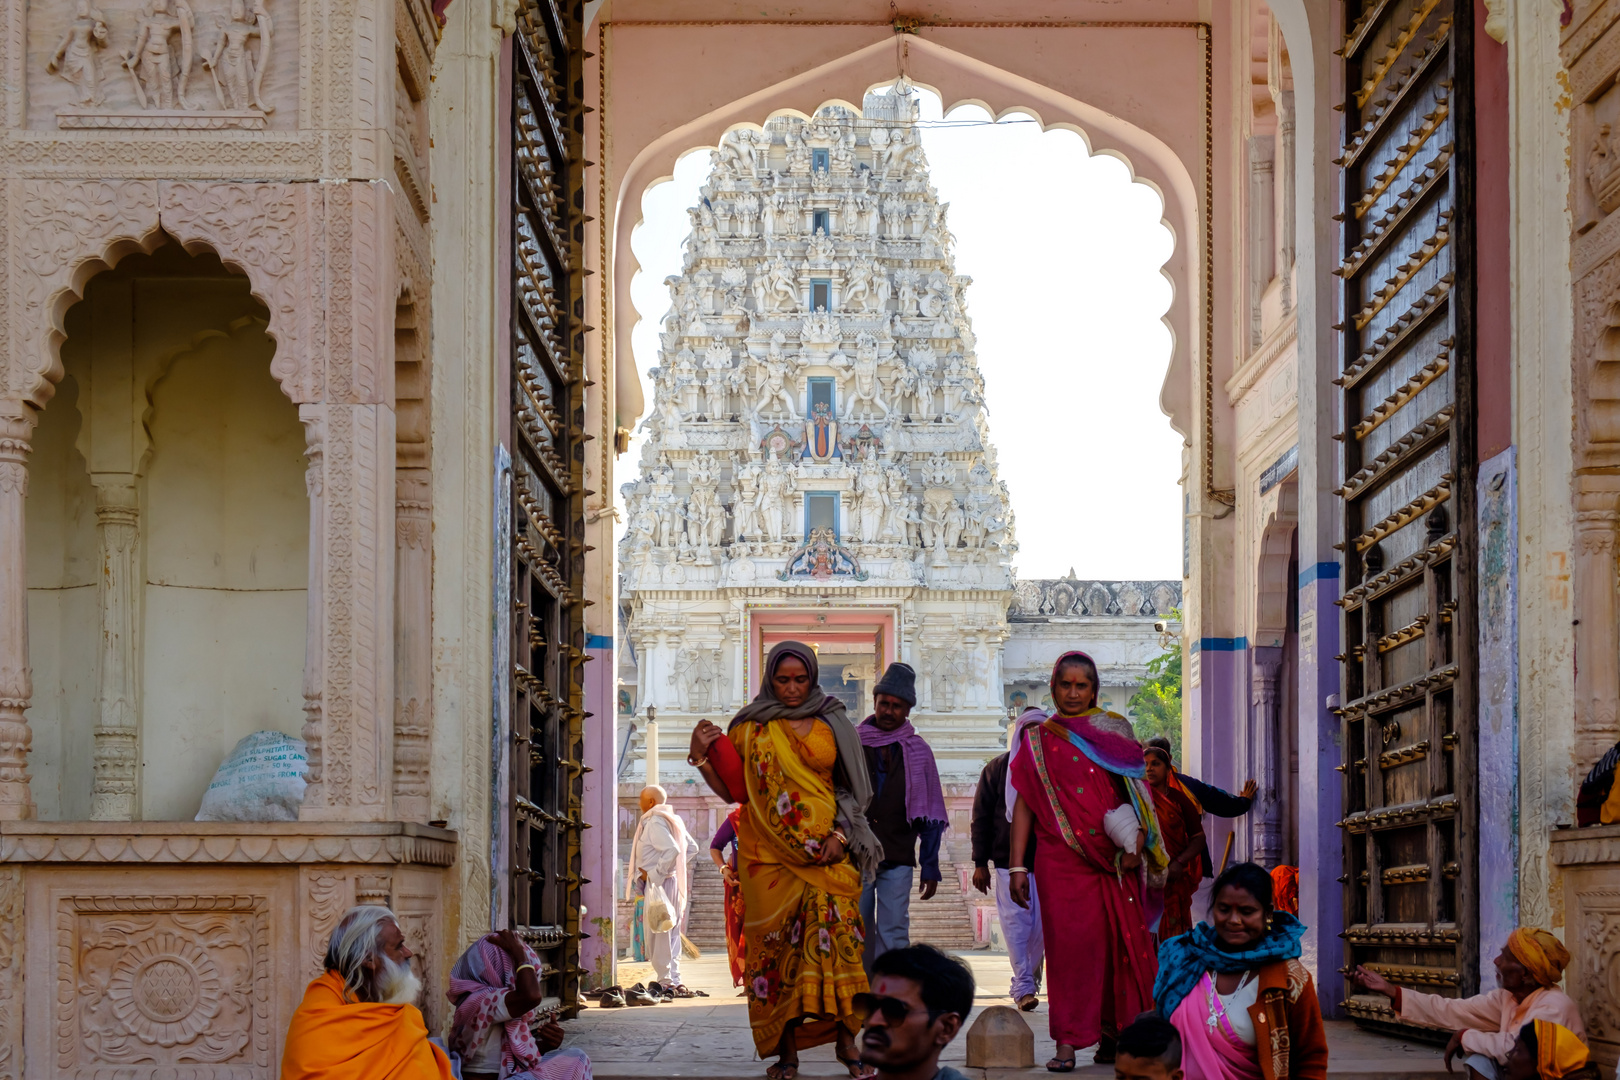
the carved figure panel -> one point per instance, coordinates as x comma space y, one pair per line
189, 65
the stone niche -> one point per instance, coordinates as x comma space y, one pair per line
162, 950
140, 65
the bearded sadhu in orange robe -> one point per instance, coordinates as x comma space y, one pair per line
355, 1022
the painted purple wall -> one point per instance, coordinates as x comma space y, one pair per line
1321, 859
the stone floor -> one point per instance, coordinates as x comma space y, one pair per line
708, 1037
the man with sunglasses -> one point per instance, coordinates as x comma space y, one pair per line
920, 999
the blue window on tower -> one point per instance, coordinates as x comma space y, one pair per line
820, 294
821, 512
821, 221
822, 390
819, 160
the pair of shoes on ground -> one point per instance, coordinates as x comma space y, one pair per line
611, 997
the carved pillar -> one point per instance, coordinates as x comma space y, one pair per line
113, 795
313, 419
16, 684
1261, 220
1597, 652
1265, 821
349, 654
413, 645
1285, 195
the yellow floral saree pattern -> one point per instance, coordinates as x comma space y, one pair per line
802, 922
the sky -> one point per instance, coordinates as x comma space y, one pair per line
1067, 301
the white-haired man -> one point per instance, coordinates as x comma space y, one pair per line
357, 1021
659, 855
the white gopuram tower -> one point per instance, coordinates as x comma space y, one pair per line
819, 465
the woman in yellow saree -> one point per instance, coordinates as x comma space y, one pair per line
793, 760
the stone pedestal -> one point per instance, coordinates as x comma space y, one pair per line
1000, 1039
1590, 860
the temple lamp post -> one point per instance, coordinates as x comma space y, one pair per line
650, 745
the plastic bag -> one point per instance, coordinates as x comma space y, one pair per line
262, 779
658, 911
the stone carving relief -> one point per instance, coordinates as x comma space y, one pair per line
162, 64
12, 958
170, 980
1067, 596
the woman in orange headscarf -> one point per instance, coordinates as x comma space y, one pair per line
1486, 1027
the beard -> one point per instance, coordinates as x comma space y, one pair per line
397, 984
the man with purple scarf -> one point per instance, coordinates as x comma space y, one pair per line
908, 804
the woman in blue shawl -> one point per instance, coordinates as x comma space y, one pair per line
1235, 990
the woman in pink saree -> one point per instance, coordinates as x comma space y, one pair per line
1078, 780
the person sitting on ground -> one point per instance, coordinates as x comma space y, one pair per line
1149, 1049
1485, 1027
920, 999
1235, 989
494, 986
1544, 1050
358, 1021
908, 805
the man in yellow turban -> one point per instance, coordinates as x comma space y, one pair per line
1486, 1027
1548, 1051
357, 1021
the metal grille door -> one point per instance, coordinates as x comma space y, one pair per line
548, 464
1408, 705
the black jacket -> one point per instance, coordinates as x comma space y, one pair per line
991, 831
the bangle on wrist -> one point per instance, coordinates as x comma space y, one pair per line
1017, 870
699, 763
522, 967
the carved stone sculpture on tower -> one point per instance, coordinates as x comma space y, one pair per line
775, 490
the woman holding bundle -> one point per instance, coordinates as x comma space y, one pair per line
1078, 781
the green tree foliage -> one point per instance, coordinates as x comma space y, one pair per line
1156, 707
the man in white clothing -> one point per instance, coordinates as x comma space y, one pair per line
659, 856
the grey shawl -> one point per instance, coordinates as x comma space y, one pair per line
851, 782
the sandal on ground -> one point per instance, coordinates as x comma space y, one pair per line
857, 1068
1029, 1003
782, 1071
1060, 1065
680, 991
1107, 1051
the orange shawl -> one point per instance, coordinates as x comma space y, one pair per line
333, 1039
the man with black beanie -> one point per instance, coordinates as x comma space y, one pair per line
908, 804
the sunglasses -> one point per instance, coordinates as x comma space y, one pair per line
893, 1009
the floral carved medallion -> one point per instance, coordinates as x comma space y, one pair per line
165, 989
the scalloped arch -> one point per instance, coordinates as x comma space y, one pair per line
74, 230
958, 79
